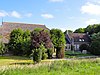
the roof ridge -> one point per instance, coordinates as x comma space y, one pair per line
24, 23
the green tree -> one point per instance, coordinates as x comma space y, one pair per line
37, 55
20, 42
44, 50
80, 30
26, 44
15, 44
41, 40
58, 39
95, 44
95, 28
2, 48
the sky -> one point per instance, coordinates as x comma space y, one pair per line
61, 14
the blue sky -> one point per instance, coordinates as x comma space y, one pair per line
62, 14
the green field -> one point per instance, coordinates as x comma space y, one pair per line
14, 65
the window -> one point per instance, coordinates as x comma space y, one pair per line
81, 40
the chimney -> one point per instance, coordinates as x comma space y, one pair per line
67, 32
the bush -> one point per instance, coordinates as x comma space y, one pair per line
84, 47
95, 48
44, 50
37, 55
2, 48
95, 44
41, 39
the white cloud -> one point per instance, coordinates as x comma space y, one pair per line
92, 21
3, 13
15, 14
48, 16
90, 8
56, 0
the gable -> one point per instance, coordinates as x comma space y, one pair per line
79, 37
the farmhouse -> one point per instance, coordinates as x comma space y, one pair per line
76, 39
7, 27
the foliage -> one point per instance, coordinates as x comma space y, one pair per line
95, 28
84, 47
95, 44
80, 30
95, 47
26, 44
95, 36
2, 48
41, 36
44, 50
37, 55
20, 42
41, 40
58, 39
91, 29
50, 52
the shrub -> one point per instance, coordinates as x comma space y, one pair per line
41, 39
37, 55
95, 44
84, 47
95, 47
2, 48
44, 50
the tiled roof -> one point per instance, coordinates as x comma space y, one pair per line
79, 36
7, 27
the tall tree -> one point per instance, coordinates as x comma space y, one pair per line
20, 42
41, 40
95, 28
95, 44
26, 44
80, 30
58, 39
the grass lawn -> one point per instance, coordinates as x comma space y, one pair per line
8, 60
71, 54
9, 66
